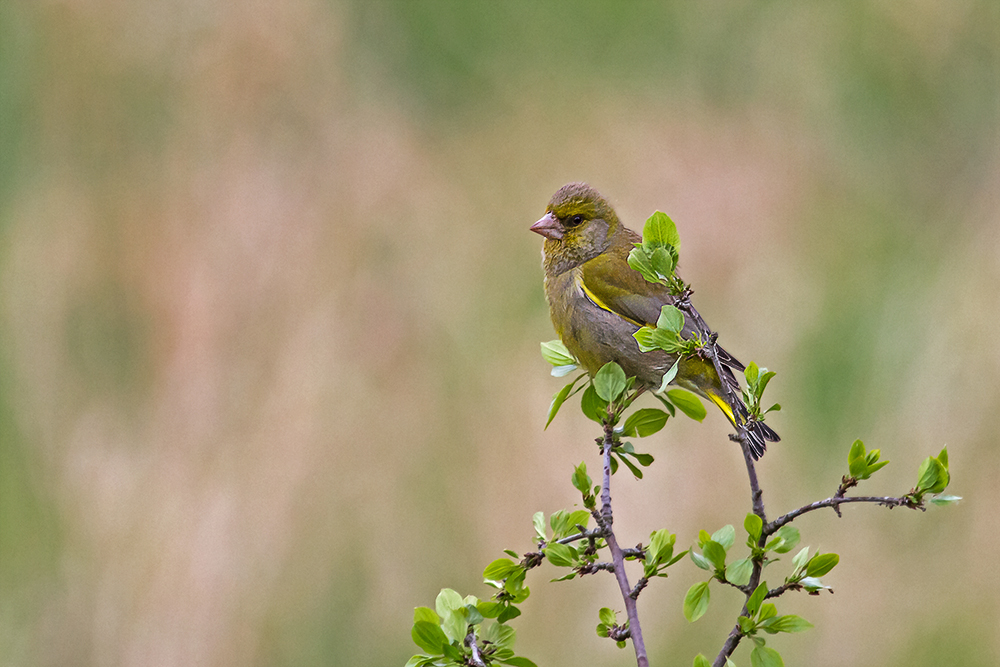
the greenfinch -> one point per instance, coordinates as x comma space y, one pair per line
597, 301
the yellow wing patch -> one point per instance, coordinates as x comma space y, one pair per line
721, 402
600, 304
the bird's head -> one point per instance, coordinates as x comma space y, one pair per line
578, 225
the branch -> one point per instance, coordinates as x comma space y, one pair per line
757, 497
768, 529
476, 660
618, 558
591, 568
835, 501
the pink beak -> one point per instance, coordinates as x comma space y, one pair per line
548, 227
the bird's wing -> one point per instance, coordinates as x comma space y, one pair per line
615, 286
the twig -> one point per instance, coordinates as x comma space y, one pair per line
476, 660
757, 497
639, 585
598, 566
617, 557
835, 501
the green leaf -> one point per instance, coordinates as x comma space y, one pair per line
858, 468
676, 558
607, 616
660, 231
561, 555
499, 569
767, 610
688, 403
420, 661
945, 500
645, 460
758, 595
753, 525
609, 382
715, 553
801, 559
447, 601
593, 406
558, 523
639, 260
789, 623
812, 584
696, 601
510, 613
538, 520
877, 466
661, 546
649, 339
646, 421
502, 635
557, 401
752, 373
762, 656
671, 319
789, 538
472, 615
577, 518
857, 451
700, 560
765, 377
490, 609
562, 371
452, 653
668, 377
701, 661
662, 399
725, 536
738, 572
664, 261
557, 354
454, 626
943, 458
518, 661
644, 337
581, 480
636, 472
933, 476
429, 637
820, 564
425, 614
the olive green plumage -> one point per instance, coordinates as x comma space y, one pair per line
597, 301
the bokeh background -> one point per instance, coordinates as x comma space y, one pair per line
270, 314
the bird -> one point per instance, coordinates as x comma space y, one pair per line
597, 302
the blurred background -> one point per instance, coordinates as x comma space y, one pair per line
270, 314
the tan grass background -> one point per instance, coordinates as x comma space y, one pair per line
270, 313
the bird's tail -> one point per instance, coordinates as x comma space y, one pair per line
758, 433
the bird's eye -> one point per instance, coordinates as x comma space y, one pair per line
574, 221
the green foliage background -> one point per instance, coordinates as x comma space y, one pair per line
270, 312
